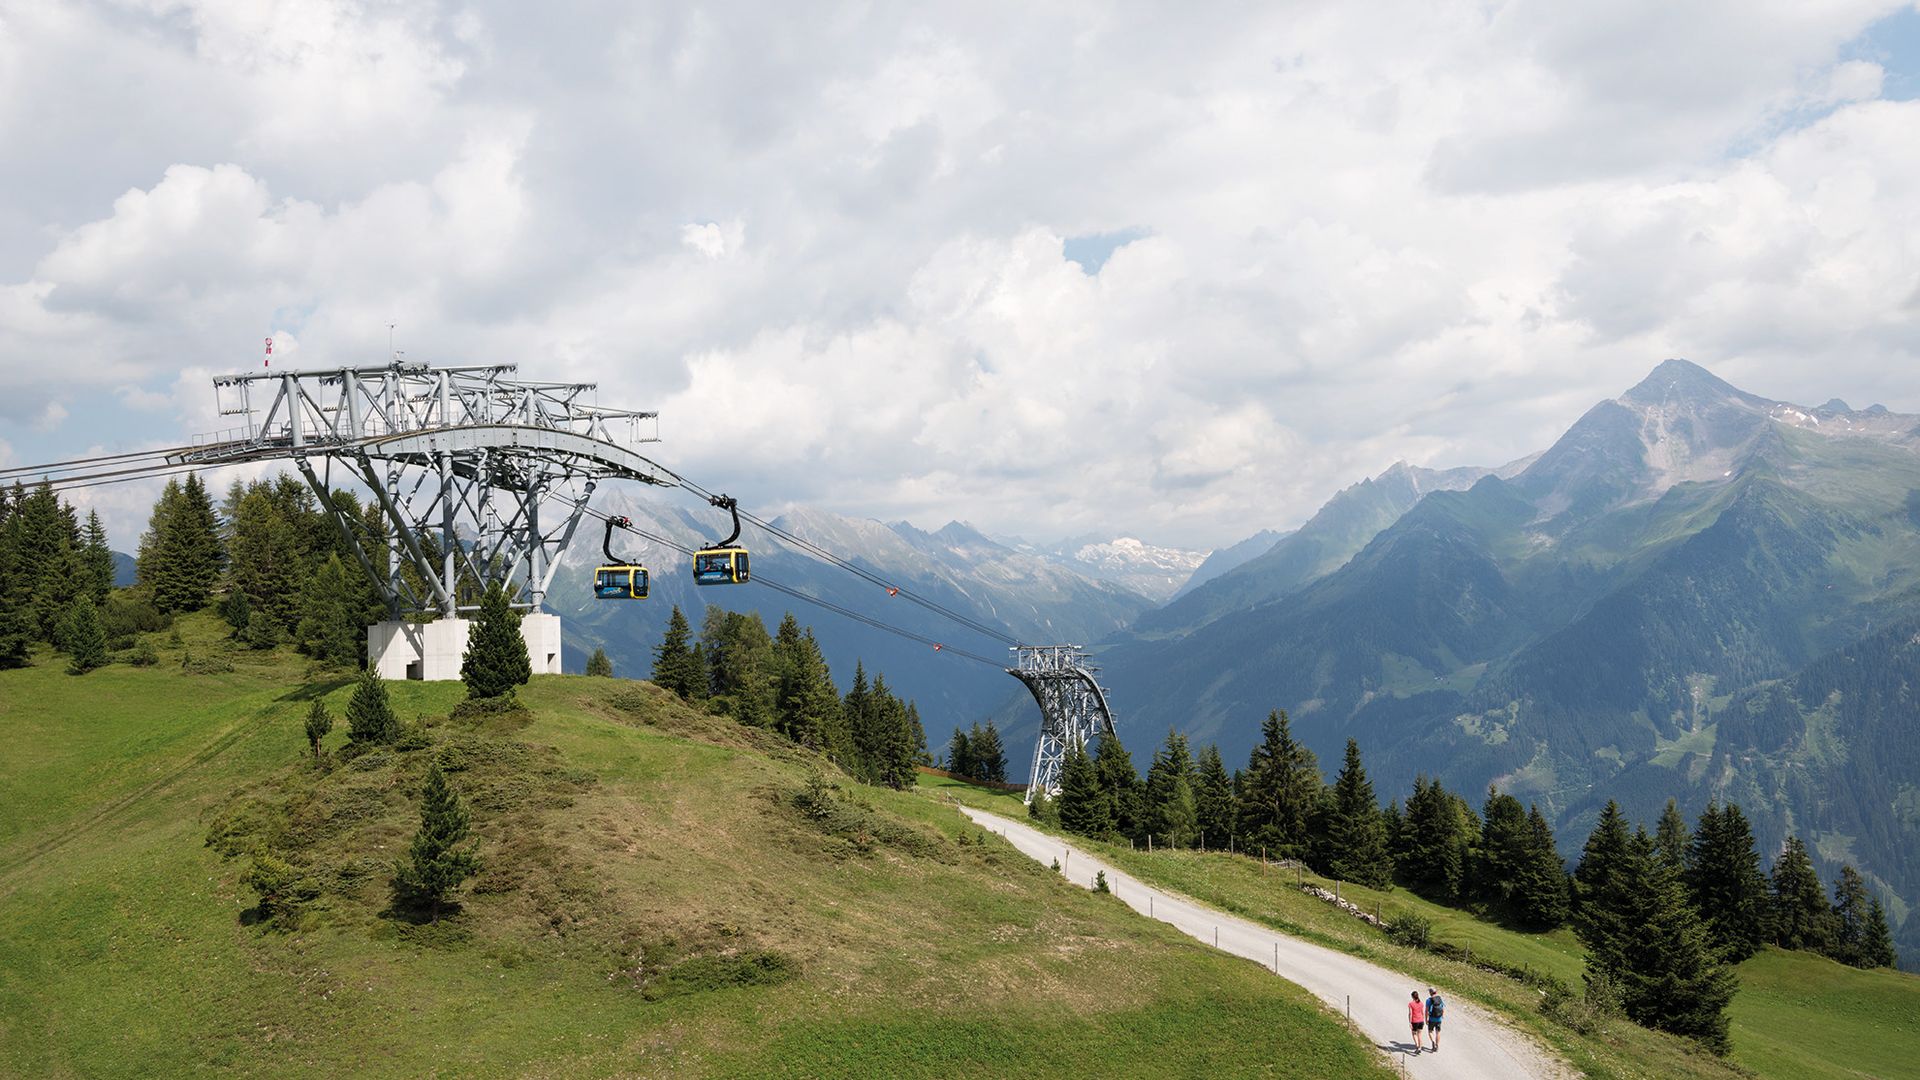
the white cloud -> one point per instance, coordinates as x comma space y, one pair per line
1432, 232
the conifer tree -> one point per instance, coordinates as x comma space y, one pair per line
319, 722
1601, 873
1725, 883
96, 558
1878, 948
1356, 832
267, 556
1213, 799
496, 659
236, 610
181, 555
1802, 919
1541, 893
1506, 846
1120, 782
1283, 791
598, 664
1657, 953
989, 756
331, 619
1854, 910
86, 642
862, 715
740, 665
1172, 815
16, 593
370, 718
806, 702
435, 864
1083, 803
918, 736
673, 658
1439, 831
960, 754
46, 555
1672, 843
893, 752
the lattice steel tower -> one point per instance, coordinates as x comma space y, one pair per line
459, 461
1073, 707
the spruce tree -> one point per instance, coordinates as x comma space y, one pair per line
1506, 846
894, 751
1853, 912
1541, 894
1120, 782
1172, 815
989, 756
673, 657
862, 716
86, 642
806, 702
267, 557
1672, 843
16, 594
181, 554
1725, 883
435, 864
331, 620
1663, 964
960, 754
598, 664
1356, 832
236, 610
370, 718
1438, 833
918, 736
740, 665
46, 554
1802, 919
1084, 807
96, 558
1602, 872
319, 722
496, 658
1213, 799
1879, 950
1283, 791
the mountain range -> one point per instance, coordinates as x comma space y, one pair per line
1695, 593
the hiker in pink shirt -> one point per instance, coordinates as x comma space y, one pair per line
1417, 1015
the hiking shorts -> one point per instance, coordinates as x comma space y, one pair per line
1433, 1025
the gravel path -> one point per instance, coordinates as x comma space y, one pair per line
1474, 1045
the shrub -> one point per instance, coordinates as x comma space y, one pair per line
281, 886
143, 654
1100, 882
1414, 931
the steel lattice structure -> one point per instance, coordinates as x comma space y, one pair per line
1073, 707
458, 459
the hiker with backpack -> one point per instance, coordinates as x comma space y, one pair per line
1436, 1006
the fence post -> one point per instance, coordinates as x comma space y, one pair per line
1276, 958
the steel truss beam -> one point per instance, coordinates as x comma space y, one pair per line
1073, 707
458, 459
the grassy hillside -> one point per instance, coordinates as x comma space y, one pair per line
655, 901
1796, 1015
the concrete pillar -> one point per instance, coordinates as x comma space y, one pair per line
432, 651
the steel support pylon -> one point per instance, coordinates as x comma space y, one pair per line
1073, 707
457, 461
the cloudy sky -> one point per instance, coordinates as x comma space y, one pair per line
1178, 271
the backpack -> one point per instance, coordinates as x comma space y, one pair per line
1435, 1007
